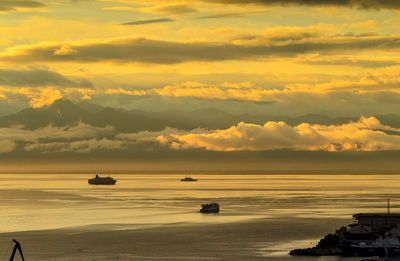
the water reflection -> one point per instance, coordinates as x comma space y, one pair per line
52, 201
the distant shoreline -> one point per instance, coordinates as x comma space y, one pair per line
216, 172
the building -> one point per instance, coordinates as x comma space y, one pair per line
377, 221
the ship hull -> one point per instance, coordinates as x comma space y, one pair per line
102, 181
209, 211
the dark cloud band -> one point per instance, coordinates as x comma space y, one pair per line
152, 21
376, 4
141, 50
8, 5
39, 78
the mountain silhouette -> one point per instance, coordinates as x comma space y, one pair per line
60, 113
66, 113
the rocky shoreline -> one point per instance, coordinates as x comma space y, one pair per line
327, 246
372, 235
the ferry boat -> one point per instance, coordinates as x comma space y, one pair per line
102, 181
210, 208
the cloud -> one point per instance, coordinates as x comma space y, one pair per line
143, 136
360, 97
81, 138
169, 9
224, 91
351, 61
222, 15
13, 5
80, 131
154, 136
41, 97
246, 91
152, 21
369, 82
38, 78
42, 87
368, 134
142, 50
364, 4
229, 15
119, 8
7, 146
84, 146
177, 9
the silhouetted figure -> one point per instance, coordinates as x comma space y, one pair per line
16, 247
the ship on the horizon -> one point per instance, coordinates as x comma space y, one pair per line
187, 178
102, 181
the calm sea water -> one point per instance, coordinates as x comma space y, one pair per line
37, 202
34, 202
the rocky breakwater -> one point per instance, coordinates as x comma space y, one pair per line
370, 235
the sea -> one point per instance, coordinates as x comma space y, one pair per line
30, 202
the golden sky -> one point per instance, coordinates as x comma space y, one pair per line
258, 50
284, 58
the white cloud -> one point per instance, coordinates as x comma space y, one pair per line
368, 134
153, 136
83, 146
78, 131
